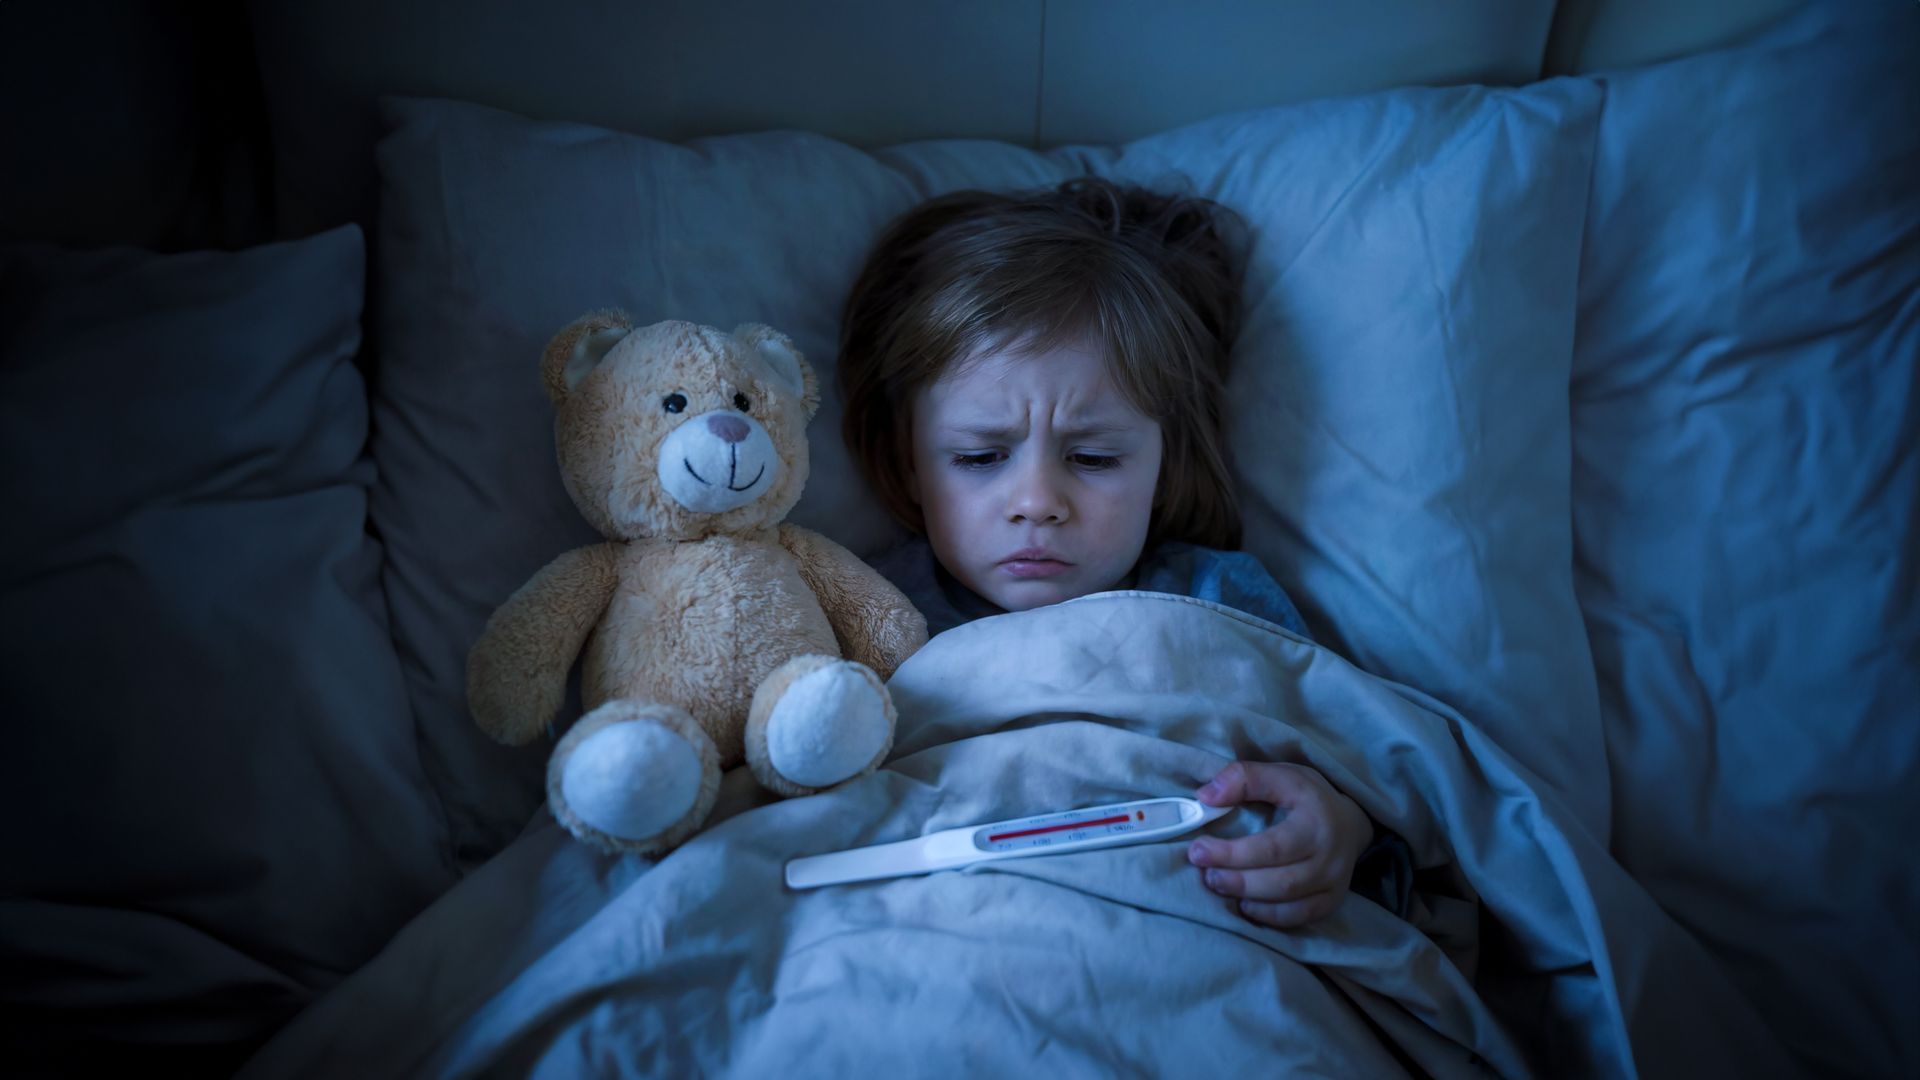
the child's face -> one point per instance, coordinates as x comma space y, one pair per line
1035, 475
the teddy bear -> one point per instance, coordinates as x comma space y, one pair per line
713, 632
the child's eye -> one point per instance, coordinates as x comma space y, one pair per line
983, 460
1096, 462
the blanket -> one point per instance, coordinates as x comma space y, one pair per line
1527, 949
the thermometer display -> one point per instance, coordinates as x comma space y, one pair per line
1048, 830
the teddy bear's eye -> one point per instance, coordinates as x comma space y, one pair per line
740, 402
673, 403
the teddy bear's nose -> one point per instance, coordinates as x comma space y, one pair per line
731, 428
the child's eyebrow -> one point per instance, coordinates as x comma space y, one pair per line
1003, 433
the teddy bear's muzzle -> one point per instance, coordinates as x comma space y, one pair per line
718, 461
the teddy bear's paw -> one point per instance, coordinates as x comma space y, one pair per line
633, 776
816, 722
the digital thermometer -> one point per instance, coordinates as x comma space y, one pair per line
1046, 834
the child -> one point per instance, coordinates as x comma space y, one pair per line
1033, 383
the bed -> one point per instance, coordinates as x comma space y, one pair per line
1575, 405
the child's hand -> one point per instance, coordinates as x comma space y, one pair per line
1298, 870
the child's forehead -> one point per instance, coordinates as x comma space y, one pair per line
998, 388
1027, 358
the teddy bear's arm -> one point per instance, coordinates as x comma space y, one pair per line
876, 624
517, 671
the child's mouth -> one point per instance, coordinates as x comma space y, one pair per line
1023, 568
1034, 564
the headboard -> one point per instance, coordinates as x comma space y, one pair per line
224, 123
874, 72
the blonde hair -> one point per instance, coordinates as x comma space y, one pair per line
1151, 278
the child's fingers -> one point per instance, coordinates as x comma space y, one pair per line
1290, 914
1271, 884
1269, 847
1256, 781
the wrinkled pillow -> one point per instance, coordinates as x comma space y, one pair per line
1746, 418
1400, 400
213, 806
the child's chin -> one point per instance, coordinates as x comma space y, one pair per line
1027, 595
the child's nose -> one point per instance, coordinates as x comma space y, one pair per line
1037, 498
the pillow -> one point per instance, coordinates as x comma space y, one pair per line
1401, 387
213, 804
1747, 511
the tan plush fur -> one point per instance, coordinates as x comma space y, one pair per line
682, 612
516, 684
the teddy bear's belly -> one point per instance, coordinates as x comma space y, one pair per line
713, 619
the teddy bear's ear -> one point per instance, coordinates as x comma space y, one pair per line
783, 361
579, 348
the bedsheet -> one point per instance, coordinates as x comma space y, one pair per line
1527, 950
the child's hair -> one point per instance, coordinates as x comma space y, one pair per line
1152, 278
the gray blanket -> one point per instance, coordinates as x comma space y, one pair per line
1527, 950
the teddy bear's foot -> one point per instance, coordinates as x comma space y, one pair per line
818, 720
633, 776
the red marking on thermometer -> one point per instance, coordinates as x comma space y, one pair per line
1064, 826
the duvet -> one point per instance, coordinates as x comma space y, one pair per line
1527, 949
